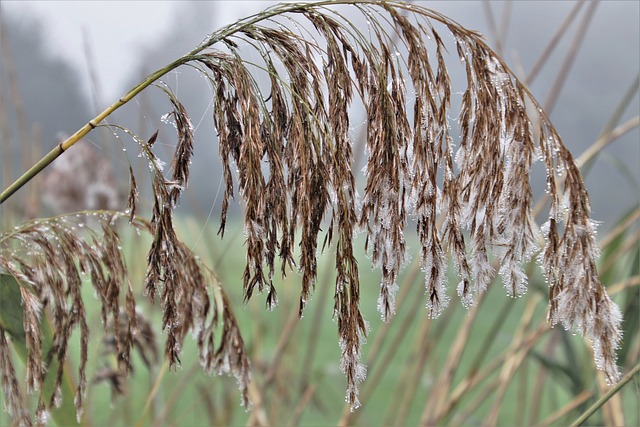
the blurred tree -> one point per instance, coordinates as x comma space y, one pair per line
39, 97
37, 85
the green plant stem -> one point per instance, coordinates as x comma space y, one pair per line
92, 124
608, 395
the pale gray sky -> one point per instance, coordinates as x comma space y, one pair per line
117, 29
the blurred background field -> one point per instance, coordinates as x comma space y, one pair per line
497, 364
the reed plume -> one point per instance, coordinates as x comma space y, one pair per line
290, 138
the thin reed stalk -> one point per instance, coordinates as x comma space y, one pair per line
408, 386
606, 397
424, 348
512, 362
565, 410
553, 42
463, 418
569, 58
541, 381
433, 411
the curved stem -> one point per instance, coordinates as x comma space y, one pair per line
92, 124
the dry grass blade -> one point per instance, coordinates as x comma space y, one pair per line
435, 408
512, 362
570, 57
562, 412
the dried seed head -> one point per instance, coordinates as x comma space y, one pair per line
473, 203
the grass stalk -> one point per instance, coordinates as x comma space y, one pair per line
491, 336
491, 21
171, 402
281, 347
514, 359
607, 139
522, 401
314, 334
569, 58
376, 348
376, 352
566, 409
553, 43
612, 412
407, 384
624, 284
541, 381
616, 116
80, 133
153, 393
434, 411
386, 357
621, 227
606, 397
301, 406
631, 241
474, 404
259, 415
